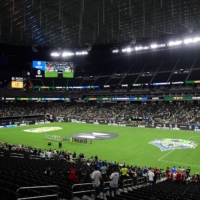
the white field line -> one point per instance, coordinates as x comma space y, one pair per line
165, 155
180, 163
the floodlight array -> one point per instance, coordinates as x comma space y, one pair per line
153, 46
81, 53
67, 53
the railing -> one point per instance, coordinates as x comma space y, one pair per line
125, 183
90, 190
83, 184
38, 187
16, 155
105, 188
35, 157
128, 184
1, 154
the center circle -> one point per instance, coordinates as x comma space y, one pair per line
94, 135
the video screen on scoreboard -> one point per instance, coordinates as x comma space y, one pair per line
53, 69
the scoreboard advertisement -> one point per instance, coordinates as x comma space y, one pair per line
53, 69
17, 82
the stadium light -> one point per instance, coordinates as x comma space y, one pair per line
155, 46
190, 40
55, 54
81, 53
66, 53
128, 49
175, 43
141, 48
115, 51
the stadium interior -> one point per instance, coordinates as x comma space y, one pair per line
87, 71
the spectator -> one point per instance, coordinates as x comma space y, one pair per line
48, 171
114, 181
188, 171
96, 178
197, 178
103, 171
151, 176
124, 171
72, 177
173, 169
178, 177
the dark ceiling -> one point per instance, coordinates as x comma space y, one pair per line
73, 23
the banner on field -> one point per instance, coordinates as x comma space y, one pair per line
53, 137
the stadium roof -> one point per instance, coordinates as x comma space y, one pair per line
76, 22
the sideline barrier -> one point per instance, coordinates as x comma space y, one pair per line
165, 126
8, 126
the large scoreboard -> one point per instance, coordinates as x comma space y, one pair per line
53, 69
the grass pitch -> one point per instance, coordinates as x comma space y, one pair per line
131, 146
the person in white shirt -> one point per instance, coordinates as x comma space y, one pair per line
151, 176
114, 182
96, 180
49, 154
42, 155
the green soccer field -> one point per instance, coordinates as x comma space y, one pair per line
131, 146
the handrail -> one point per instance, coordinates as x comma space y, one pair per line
83, 184
125, 180
104, 187
34, 157
2, 154
16, 155
46, 196
37, 187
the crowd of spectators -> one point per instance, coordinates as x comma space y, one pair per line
186, 114
125, 170
93, 170
35, 108
165, 112
127, 112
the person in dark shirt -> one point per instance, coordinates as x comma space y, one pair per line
74, 154
188, 171
48, 171
197, 178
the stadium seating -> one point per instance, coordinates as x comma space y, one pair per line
157, 112
25, 172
